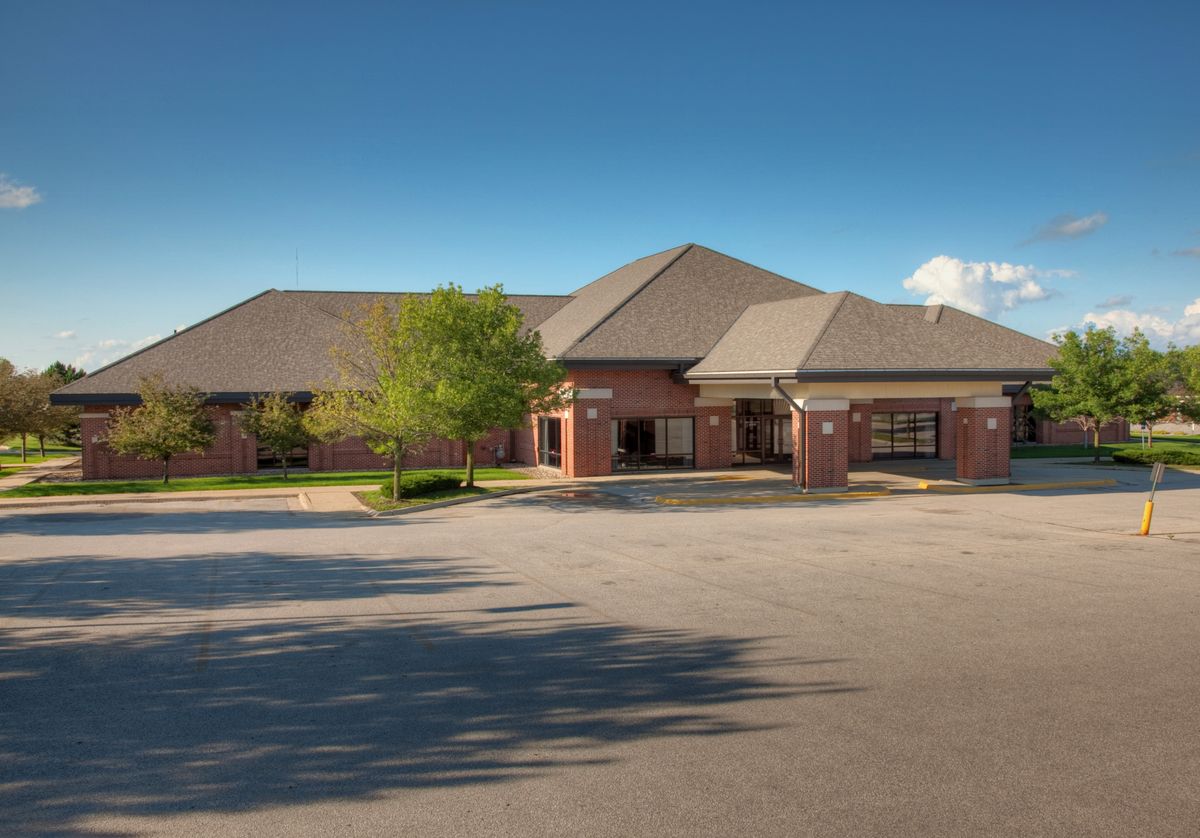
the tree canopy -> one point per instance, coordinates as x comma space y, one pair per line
277, 423
169, 421
381, 392
1089, 381
487, 371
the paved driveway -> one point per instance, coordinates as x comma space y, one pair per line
594, 664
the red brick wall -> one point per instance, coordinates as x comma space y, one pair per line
648, 394
826, 456
982, 453
1069, 433
231, 453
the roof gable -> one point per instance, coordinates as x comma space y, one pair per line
674, 305
846, 331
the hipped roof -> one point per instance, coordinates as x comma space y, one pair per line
844, 331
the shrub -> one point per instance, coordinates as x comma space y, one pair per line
415, 484
1170, 456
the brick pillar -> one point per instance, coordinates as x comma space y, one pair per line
826, 433
714, 418
984, 430
587, 437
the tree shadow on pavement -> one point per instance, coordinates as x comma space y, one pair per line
173, 716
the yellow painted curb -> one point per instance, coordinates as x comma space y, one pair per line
1014, 487
769, 498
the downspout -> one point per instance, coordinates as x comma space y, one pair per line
783, 394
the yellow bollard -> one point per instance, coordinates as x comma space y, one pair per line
1146, 515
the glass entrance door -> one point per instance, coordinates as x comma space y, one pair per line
761, 435
550, 441
897, 436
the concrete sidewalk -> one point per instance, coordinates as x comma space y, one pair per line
32, 473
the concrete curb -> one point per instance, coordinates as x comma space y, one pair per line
1016, 487
749, 499
503, 493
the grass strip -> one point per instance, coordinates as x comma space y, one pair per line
216, 484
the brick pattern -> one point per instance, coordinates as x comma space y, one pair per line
983, 453
587, 443
231, 453
826, 456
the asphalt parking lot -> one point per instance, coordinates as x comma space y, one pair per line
591, 662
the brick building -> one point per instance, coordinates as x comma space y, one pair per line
683, 359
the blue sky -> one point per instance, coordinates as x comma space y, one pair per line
1039, 163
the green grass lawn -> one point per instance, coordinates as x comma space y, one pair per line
267, 481
377, 501
1031, 452
53, 452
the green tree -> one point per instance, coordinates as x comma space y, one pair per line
488, 371
1149, 378
277, 423
1187, 365
169, 421
382, 389
66, 373
61, 421
1089, 381
24, 405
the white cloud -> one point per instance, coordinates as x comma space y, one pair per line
101, 353
1116, 301
982, 288
1067, 226
1159, 329
13, 196
65, 335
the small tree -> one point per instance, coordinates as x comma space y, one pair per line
489, 373
24, 404
278, 424
1187, 366
64, 426
169, 421
382, 390
1089, 382
1148, 382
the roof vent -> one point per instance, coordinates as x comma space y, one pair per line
933, 313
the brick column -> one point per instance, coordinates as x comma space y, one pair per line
984, 431
587, 436
826, 433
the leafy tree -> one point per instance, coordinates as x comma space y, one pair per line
489, 373
24, 405
61, 421
66, 373
278, 424
1090, 381
1187, 365
382, 390
169, 421
1148, 382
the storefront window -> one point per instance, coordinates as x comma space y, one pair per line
653, 443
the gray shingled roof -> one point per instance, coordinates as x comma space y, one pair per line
674, 305
276, 341
848, 332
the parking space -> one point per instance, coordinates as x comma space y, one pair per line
590, 661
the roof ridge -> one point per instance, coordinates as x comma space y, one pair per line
641, 287
828, 322
757, 267
685, 246
173, 335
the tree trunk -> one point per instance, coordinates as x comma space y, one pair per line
166, 466
42, 446
284, 458
1096, 439
23, 447
397, 467
1149, 435
470, 451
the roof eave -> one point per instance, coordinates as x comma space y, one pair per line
1010, 374
302, 396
